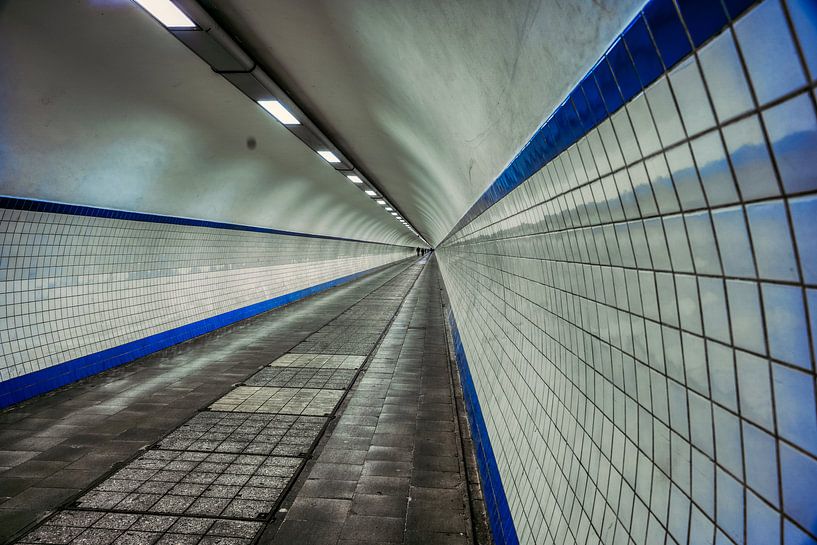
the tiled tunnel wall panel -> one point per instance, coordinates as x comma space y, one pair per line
73, 285
639, 316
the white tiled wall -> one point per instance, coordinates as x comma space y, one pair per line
639, 316
75, 285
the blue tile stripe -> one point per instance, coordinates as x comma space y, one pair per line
496, 503
29, 385
36, 205
663, 33
659, 37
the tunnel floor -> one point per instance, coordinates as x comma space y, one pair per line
332, 420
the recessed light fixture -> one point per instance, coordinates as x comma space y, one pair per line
371, 193
389, 209
167, 13
355, 179
394, 213
279, 112
381, 201
329, 156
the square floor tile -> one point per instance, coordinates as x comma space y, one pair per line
242, 486
297, 401
262, 433
303, 377
343, 338
79, 527
337, 347
322, 361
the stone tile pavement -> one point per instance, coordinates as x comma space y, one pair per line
331, 421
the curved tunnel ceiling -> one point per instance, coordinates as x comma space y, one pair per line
102, 106
432, 98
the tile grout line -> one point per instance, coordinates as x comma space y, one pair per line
273, 525
67, 504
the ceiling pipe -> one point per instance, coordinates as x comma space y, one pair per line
226, 57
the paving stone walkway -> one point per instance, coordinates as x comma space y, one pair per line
391, 470
253, 435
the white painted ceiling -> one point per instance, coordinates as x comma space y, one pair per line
100, 105
433, 98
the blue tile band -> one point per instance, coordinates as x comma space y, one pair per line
29, 385
36, 205
658, 38
662, 34
496, 503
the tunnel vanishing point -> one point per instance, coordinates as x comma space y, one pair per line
427, 272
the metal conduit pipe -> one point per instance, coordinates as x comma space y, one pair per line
222, 52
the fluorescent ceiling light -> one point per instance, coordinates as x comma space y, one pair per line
394, 213
381, 201
329, 156
371, 193
167, 13
355, 179
279, 112
389, 209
